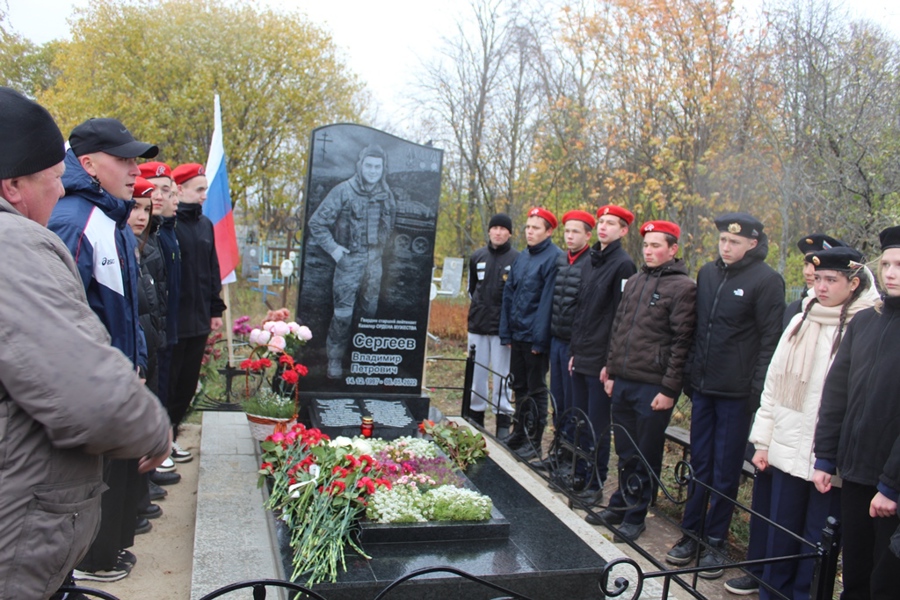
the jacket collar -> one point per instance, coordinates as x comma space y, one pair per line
190, 212
501, 249
599, 254
538, 248
77, 182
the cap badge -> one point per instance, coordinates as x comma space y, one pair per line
648, 227
160, 171
734, 228
534, 212
816, 261
810, 241
606, 211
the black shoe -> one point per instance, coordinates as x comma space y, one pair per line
683, 552
164, 478
143, 526
529, 450
629, 531
591, 497
516, 440
127, 558
605, 517
503, 424
713, 562
151, 512
742, 586
156, 492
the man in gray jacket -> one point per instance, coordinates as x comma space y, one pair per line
66, 396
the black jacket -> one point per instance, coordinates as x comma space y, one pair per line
528, 297
654, 327
859, 418
739, 312
168, 247
488, 271
201, 283
601, 290
565, 293
150, 310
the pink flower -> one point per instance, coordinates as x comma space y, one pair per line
277, 343
304, 333
280, 328
260, 337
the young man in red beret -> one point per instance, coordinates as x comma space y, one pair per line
200, 306
578, 225
649, 344
168, 283
607, 270
525, 326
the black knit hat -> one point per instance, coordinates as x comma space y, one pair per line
501, 220
109, 136
839, 258
30, 141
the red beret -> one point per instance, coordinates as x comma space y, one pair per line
661, 227
187, 171
580, 215
616, 211
545, 214
153, 169
142, 188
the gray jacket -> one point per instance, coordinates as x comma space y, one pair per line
66, 398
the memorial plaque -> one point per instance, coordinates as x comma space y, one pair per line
370, 217
451, 276
343, 416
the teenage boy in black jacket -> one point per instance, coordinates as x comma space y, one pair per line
488, 270
200, 307
740, 303
608, 269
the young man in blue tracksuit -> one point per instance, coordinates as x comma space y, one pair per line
525, 327
91, 219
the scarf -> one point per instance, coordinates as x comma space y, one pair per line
791, 373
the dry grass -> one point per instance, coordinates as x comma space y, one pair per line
449, 317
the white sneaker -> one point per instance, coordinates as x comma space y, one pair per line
167, 467
179, 455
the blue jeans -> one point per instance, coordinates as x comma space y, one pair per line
560, 380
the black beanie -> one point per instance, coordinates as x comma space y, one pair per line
30, 141
501, 220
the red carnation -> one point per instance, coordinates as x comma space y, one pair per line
290, 377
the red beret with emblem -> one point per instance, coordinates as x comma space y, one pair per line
661, 227
580, 215
539, 211
616, 211
149, 170
187, 172
142, 188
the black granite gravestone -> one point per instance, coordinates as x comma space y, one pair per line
393, 417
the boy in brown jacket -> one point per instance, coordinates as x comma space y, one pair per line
649, 344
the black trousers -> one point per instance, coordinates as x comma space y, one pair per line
184, 373
529, 378
871, 571
118, 517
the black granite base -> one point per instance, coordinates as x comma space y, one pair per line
541, 558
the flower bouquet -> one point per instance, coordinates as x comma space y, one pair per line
323, 487
274, 409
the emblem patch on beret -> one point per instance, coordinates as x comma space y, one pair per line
734, 228
816, 261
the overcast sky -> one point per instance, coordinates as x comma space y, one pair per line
384, 40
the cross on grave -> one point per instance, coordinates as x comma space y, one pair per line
325, 140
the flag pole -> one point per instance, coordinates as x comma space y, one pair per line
228, 324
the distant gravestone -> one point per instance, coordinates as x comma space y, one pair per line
451, 276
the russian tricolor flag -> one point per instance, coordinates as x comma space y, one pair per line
217, 207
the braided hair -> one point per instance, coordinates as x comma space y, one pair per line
863, 286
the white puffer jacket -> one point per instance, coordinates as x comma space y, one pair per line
786, 433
